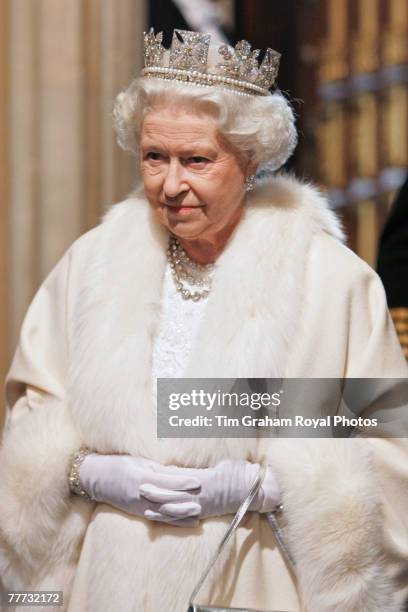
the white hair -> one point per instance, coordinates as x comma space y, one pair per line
261, 128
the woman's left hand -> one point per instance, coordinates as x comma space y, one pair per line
223, 488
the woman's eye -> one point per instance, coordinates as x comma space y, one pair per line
198, 159
152, 155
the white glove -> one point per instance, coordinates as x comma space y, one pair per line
118, 480
223, 488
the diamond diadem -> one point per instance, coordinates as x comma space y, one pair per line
238, 70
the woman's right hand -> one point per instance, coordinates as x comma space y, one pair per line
116, 480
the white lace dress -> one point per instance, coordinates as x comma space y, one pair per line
179, 322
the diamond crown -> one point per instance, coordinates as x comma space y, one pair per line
190, 61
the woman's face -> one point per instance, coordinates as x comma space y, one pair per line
192, 179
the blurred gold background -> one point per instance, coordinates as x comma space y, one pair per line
345, 65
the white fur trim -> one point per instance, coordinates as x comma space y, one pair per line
41, 525
334, 524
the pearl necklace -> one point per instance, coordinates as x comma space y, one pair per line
184, 268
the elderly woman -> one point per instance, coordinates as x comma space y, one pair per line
196, 276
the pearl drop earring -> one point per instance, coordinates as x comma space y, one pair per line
249, 182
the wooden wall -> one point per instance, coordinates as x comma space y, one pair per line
345, 68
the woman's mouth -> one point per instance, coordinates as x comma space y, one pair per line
182, 209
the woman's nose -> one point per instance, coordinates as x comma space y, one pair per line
174, 180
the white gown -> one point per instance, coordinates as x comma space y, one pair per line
179, 322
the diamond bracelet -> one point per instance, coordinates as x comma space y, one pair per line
73, 478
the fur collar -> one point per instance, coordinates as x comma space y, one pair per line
257, 294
